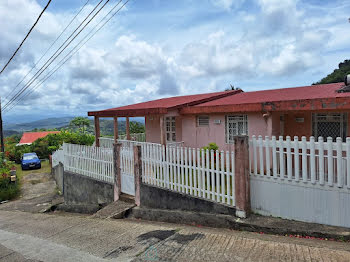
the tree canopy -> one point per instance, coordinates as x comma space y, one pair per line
80, 122
337, 75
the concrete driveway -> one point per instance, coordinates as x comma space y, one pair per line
38, 193
65, 237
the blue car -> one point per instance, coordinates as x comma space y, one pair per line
30, 160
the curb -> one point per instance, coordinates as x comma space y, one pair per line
252, 224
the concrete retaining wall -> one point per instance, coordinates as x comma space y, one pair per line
57, 173
82, 190
155, 197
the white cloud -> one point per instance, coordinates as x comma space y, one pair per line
228, 4
280, 39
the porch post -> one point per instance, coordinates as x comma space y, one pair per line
162, 131
242, 179
115, 129
97, 131
117, 171
128, 137
137, 174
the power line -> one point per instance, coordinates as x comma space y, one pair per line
64, 60
70, 54
47, 50
34, 77
53, 57
37, 20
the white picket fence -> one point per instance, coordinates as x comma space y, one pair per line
90, 161
310, 161
301, 179
206, 174
57, 157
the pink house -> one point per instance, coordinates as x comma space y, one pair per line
196, 120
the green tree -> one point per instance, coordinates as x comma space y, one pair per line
136, 127
81, 123
337, 75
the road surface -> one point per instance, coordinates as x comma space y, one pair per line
65, 237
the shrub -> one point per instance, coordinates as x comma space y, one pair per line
211, 146
8, 189
43, 147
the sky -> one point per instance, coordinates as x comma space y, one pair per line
161, 48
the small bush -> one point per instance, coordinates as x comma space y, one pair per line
211, 146
8, 189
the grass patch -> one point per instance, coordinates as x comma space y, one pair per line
10, 192
45, 168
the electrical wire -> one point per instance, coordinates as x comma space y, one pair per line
37, 20
64, 60
47, 50
54, 56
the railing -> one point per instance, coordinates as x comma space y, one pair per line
322, 162
140, 137
108, 142
206, 174
57, 157
176, 144
93, 162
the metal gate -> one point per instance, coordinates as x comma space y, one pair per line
127, 170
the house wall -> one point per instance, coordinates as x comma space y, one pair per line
293, 128
152, 129
194, 136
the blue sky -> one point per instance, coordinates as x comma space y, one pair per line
155, 49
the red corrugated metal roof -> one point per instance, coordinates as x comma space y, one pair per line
30, 137
283, 94
162, 105
315, 97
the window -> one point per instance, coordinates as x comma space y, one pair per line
236, 125
202, 120
329, 125
170, 128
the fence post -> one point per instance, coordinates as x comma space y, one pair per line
242, 179
137, 173
117, 170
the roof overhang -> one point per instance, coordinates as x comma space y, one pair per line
157, 110
322, 104
129, 112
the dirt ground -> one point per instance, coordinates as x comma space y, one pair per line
38, 193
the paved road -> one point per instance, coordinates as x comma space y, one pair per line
62, 237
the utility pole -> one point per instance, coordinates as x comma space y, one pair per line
1, 131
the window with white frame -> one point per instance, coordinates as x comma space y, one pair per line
236, 125
202, 120
170, 128
330, 125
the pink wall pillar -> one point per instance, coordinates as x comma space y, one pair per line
242, 181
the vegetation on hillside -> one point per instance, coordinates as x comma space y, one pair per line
44, 147
106, 126
8, 189
337, 75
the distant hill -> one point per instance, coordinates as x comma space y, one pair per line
48, 123
59, 123
337, 75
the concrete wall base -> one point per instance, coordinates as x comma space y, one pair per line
82, 190
57, 173
184, 217
159, 198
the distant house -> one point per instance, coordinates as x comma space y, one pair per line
196, 120
29, 137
